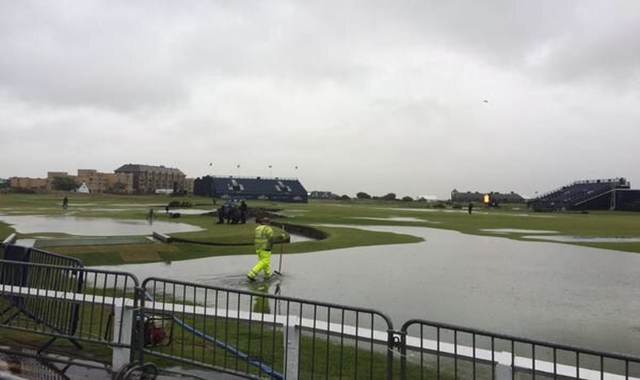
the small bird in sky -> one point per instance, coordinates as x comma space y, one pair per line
486, 101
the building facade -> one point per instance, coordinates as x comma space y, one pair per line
146, 179
28, 183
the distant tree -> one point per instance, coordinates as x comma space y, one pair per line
345, 198
63, 183
118, 186
407, 199
389, 197
362, 195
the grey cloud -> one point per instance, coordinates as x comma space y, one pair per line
85, 54
604, 49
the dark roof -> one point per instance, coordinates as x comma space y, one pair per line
133, 168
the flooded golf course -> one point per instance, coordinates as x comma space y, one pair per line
561, 293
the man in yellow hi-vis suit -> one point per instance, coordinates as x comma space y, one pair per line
263, 244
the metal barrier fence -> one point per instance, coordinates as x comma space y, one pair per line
78, 304
259, 334
435, 350
60, 317
254, 333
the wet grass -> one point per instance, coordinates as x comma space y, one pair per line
320, 356
331, 217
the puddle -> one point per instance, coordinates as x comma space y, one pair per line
399, 219
409, 209
299, 238
28, 224
149, 205
586, 239
187, 211
518, 231
537, 290
25, 242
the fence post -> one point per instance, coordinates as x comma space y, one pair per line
291, 347
122, 330
504, 366
402, 347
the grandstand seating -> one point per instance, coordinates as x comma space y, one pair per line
276, 189
579, 195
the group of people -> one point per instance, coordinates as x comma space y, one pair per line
232, 212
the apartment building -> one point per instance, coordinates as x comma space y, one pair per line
147, 178
28, 183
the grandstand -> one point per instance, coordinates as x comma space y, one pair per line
598, 194
274, 189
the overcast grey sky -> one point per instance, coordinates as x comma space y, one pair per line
361, 95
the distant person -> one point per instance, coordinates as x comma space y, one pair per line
150, 216
220, 213
243, 212
226, 211
263, 243
65, 202
470, 207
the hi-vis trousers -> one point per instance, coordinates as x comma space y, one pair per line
263, 264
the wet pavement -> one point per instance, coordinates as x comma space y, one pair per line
19, 364
567, 294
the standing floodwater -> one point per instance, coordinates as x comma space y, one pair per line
556, 292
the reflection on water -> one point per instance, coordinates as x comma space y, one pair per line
27, 224
565, 294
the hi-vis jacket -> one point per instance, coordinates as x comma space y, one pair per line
264, 238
